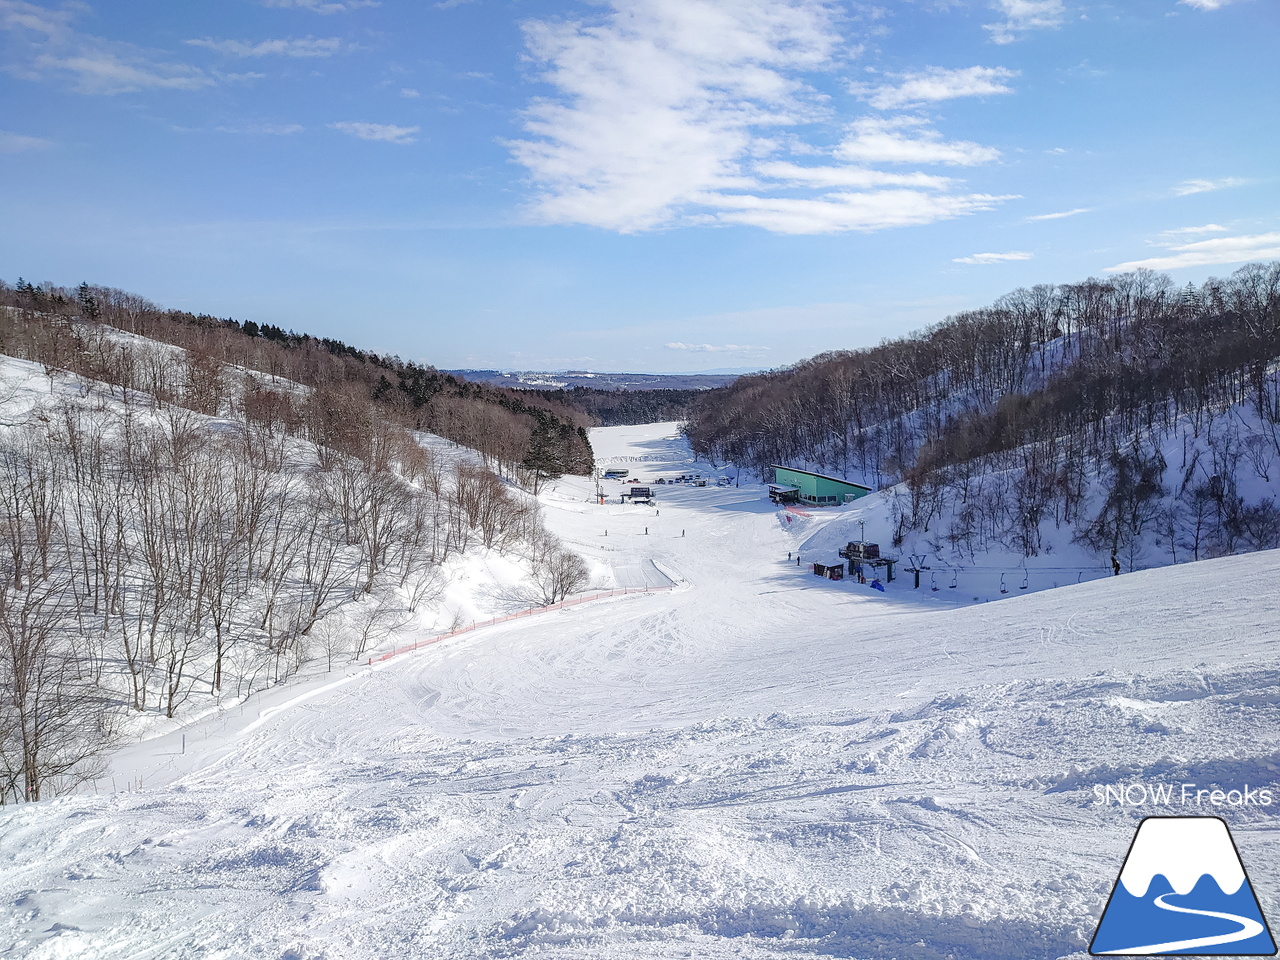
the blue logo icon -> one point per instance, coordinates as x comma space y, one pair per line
1183, 890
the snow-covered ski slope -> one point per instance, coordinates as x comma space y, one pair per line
757, 763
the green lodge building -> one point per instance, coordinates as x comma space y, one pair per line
800, 486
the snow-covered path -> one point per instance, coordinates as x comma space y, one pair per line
641, 574
758, 763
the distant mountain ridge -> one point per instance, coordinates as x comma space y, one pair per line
568, 379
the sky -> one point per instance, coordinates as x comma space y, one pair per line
630, 185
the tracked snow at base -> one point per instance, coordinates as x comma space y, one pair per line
757, 763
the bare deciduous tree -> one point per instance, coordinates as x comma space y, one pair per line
557, 572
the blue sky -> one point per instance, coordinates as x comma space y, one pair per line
656, 185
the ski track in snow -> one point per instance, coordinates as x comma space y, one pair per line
756, 764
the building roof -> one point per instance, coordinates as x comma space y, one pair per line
822, 476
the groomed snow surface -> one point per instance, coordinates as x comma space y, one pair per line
758, 763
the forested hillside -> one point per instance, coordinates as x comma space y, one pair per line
521, 435
179, 529
1120, 411
613, 408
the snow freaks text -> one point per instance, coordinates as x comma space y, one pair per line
1182, 794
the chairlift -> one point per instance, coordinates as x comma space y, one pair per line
933, 582
955, 579
1003, 588
1025, 576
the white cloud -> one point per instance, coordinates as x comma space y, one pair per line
677, 111
1188, 187
409, 93
383, 132
662, 101
305, 47
1060, 215
1023, 16
1207, 4
908, 140
1261, 246
715, 348
322, 6
866, 207
982, 258
934, 84
48, 46
21, 143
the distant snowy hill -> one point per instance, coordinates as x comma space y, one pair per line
970, 549
1124, 421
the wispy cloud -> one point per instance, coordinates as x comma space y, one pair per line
1060, 215
21, 143
934, 84
982, 258
1260, 246
909, 139
322, 6
1183, 233
265, 129
1188, 187
1023, 16
112, 71
304, 47
716, 348
383, 132
1207, 4
849, 176
52, 24
839, 212
47, 46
